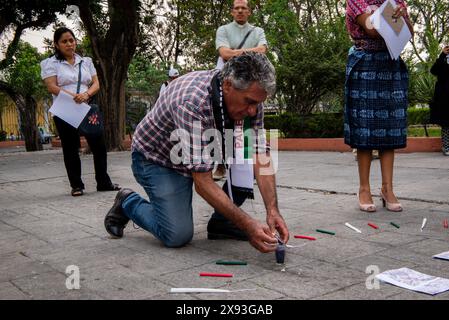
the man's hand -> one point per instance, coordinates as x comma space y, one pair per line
260, 236
266, 181
277, 223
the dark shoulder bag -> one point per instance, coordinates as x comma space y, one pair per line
245, 38
92, 124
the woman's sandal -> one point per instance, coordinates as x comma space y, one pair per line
77, 192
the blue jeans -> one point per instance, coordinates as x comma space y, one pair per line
168, 214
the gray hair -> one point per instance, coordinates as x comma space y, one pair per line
250, 67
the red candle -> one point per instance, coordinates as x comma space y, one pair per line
221, 275
372, 225
306, 238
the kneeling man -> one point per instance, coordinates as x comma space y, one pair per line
180, 123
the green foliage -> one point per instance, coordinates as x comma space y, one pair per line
3, 135
418, 116
145, 77
19, 15
271, 122
135, 112
144, 80
310, 59
421, 132
422, 86
174, 28
24, 74
199, 21
325, 125
317, 125
430, 20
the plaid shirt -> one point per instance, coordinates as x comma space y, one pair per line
186, 105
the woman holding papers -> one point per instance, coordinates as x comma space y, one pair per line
376, 99
439, 108
60, 72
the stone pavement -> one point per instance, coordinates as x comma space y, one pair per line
43, 230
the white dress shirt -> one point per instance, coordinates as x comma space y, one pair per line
67, 74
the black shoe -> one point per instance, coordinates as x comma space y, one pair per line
111, 187
77, 192
115, 220
224, 229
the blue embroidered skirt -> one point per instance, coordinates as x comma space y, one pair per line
376, 101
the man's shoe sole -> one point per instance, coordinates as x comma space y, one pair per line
114, 236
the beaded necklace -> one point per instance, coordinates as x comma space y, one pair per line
220, 89
222, 147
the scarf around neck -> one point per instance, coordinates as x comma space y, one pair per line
240, 174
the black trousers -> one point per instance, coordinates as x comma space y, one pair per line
238, 196
70, 141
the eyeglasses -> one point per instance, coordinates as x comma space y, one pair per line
240, 8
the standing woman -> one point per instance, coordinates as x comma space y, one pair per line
439, 108
61, 72
376, 100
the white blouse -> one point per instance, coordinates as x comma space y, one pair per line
67, 75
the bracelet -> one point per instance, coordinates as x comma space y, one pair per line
87, 94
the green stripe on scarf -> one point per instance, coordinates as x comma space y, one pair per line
248, 149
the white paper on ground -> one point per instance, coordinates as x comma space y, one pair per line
412, 280
396, 42
65, 108
442, 256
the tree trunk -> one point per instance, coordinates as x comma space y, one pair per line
111, 100
27, 112
26, 106
113, 52
1, 118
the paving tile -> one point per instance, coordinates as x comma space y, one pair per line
43, 230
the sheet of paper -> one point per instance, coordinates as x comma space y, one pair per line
395, 24
442, 256
412, 280
65, 108
395, 36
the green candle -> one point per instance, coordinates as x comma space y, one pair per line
395, 225
326, 232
